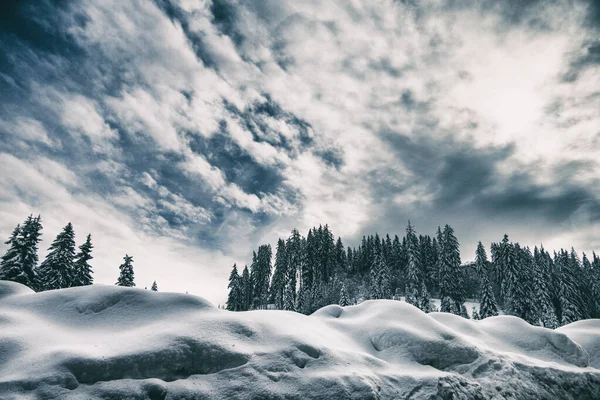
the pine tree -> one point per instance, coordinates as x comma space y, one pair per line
413, 276
344, 297
154, 287
448, 305
487, 301
425, 303
341, 260
570, 296
298, 262
505, 265
595, 284
126, 277
83, 270
289, 297
380, 278
11, 265
541, 283
235, 299
246, 285
451, 275
585, 278
279, 276
261, 276
29, 239
19, 263
58, 269
463, 311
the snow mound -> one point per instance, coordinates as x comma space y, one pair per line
105, 342
8, 288
587, 334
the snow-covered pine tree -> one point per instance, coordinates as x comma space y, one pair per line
297, 261
126, 276
246, 284
425, 303
380, 278
83, 270
154, 287
11, 265
279, 276
58, 269
451, 275
289, 297
519, 286
448, 305
29, 238
235, 301
341, 261
505, 265
387, 250
463, 311
541, 286
487, 301
413, 273
586, 284
344, 297
595, 283
570, 297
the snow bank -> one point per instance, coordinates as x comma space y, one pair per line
104, 342
587, 334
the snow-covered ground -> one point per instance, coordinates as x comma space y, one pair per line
105, 342
468, 304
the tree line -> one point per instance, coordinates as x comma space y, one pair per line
63, 266
314, 271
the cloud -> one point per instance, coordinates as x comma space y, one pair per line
189, 132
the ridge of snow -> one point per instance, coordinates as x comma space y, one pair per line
105, 342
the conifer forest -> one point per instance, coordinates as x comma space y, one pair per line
305, 273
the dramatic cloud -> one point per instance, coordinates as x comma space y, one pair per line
187, 132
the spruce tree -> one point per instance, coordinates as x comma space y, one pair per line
29, 238
83, 270
451, 275
19, 263
261, 275
463, 311
11, 265
425, 303
595, 284
289, 297
570, 296
341, 260
586, 285
279, 276
297, 261
344, 297
154, 287
58, 269
541, 284
380, 278
487, 301
235, 300
413, 275
126, 277
246, 285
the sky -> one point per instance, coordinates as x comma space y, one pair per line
187, 132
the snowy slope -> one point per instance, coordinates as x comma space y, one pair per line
103, 342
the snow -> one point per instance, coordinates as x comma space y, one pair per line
437, 303
106, 342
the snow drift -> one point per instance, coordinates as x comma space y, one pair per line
103, 342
